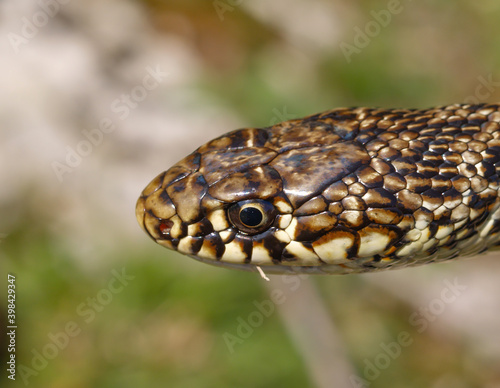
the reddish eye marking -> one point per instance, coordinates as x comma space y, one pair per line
165, 226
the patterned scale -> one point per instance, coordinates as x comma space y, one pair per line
348, 190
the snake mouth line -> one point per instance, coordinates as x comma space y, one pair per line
274, 269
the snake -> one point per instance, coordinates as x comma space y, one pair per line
349, 190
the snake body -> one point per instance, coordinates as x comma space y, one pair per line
344, 191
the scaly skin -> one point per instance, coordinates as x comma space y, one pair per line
348, 190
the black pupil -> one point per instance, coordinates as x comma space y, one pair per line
251, 216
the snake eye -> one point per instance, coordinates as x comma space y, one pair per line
252, 216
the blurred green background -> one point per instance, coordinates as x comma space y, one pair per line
228, 64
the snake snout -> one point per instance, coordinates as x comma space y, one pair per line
155, 211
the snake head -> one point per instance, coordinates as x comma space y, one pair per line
221, 204
244, 200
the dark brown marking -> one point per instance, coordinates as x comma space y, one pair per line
310, 228
490, 127
457, 146
409, 200
417, 182
336, 191
308, 171
478, 184
460, 183
257, 182
423, 214
274, 246
335, 208
241, 138
476, 146
385, 216
381, 166
376, 145
472, 157
357, 189
288, 256
202, 228
195, 245
154, 185
448, 170
404, 166
432, 199
353, 203
350, 179
213, 244
216, 165
209, 203
392, 232
310, 134
418, 145
467, 170
427, 169
353, 219
394, 182
151, 224
313, 206
347, 130
190, 162
186, 195
369, 178
380, 198
336, 233
398, 144
441, 183
407, 223
389, 154
246, 245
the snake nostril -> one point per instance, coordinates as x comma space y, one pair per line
165, 226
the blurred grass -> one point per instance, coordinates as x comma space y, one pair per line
166, 325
